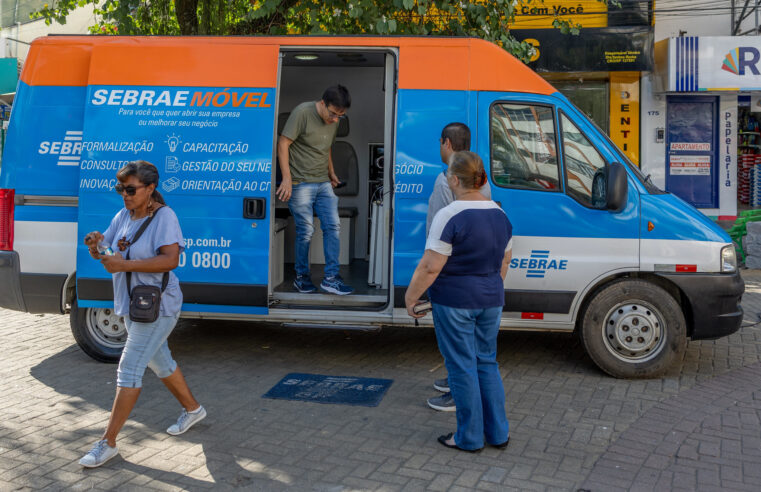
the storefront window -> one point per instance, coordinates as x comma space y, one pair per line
523, 147
591, 98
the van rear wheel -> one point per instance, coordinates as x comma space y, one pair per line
633, 329
99, 332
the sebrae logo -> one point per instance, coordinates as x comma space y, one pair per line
68, 151
741, 59
538, 264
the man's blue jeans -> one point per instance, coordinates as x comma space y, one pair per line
308, 199
467, 339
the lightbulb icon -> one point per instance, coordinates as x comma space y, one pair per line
173, 141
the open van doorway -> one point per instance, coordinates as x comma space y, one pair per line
363, 140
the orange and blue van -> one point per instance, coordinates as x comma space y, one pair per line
598, 249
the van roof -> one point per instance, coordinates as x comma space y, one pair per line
439, 63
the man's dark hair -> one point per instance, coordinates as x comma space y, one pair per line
458, 134
337, 96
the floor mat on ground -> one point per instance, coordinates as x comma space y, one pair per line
343, 390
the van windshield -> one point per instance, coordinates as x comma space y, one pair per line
636, 171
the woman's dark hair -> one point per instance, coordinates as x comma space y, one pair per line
469, 169
337, 96
146, 173
458, 135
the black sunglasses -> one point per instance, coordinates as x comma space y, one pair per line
131, 190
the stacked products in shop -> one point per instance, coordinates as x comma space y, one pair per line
745, 162
748, 156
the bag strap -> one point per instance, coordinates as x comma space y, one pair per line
165, 278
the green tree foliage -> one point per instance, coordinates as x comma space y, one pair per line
487, 19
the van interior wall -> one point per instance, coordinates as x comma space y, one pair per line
366, 120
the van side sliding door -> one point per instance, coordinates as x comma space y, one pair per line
203, 113
542, 164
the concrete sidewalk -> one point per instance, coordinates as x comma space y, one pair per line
697, 428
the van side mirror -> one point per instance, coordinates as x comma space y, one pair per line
617, 187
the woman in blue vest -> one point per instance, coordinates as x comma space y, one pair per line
464, 266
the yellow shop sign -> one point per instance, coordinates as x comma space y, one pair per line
535, 14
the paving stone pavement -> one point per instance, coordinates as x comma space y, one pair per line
572, 427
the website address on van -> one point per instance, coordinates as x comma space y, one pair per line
213, 242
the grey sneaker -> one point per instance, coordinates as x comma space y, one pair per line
186, 421
99, 454
442, 403
441, 385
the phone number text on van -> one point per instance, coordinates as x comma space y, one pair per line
206, 259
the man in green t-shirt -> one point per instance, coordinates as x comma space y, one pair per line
303, 150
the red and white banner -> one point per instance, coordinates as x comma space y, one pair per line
690, 165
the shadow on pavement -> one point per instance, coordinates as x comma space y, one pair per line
248, 441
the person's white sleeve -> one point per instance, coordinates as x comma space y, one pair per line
437, 240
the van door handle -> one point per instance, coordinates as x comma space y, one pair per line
254, 208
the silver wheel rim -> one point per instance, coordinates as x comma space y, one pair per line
633, 331
106, 328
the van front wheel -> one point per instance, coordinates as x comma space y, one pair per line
633, 329
99, 332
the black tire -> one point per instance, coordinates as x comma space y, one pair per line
633, 329
98, 332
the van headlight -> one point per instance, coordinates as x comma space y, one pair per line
728, 259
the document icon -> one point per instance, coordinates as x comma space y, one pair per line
172, 164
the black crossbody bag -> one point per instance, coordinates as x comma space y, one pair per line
144, 300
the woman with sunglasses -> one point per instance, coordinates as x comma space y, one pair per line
155, 252
464, 266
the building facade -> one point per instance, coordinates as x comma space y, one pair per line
700, 135
600, 68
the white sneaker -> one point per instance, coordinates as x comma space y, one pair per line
99, 454
186, 421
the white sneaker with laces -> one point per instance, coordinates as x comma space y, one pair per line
186, 421
99, 454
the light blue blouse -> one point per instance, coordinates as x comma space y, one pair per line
164, 230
